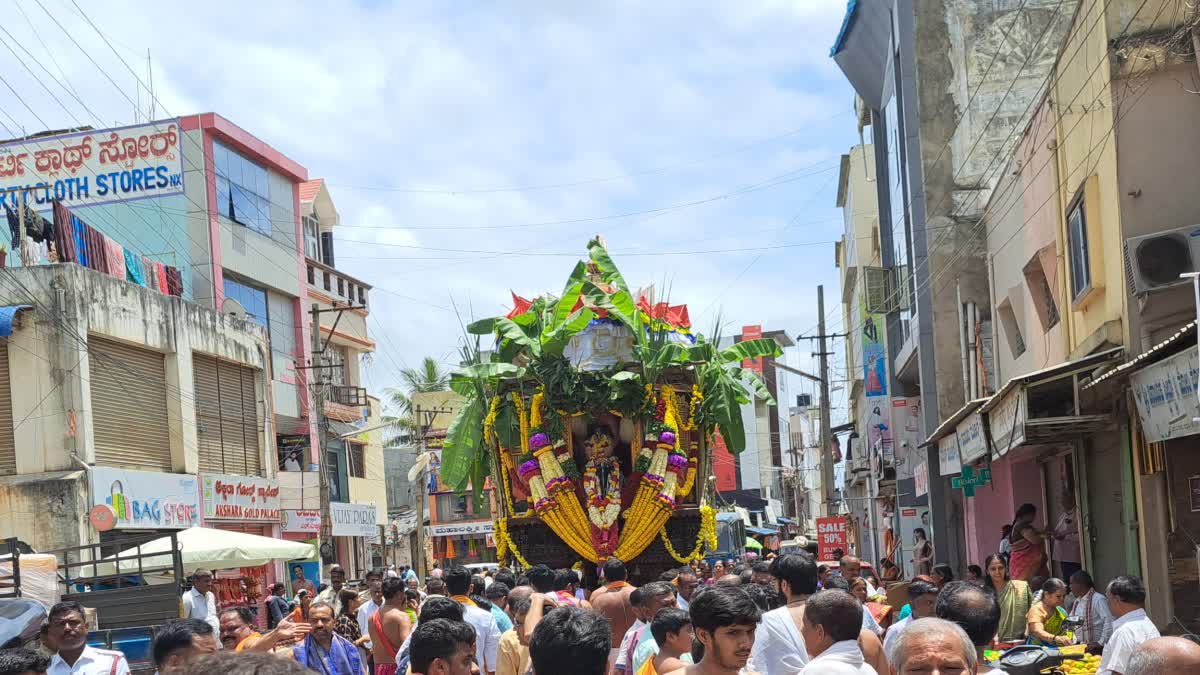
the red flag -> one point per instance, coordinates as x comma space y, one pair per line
520, 306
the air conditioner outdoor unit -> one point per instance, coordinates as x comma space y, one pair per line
1155, 261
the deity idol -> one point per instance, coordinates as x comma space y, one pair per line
602, 488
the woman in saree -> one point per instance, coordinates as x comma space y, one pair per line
1014, 597
1028, 546
1044, 621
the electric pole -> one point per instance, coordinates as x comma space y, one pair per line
826, 453
322, 425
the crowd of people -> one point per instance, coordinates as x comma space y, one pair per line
784, 616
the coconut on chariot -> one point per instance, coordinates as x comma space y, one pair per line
591, 417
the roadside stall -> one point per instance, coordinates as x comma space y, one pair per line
248, 505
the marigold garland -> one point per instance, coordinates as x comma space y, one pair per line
489, 422
706, 537
505, 544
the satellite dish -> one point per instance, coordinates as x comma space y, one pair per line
231, 307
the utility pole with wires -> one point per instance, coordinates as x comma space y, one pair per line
424, 418
823, 353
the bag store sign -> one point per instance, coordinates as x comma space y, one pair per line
353, 520
1165, 394
244, 498
93, 167
147, 500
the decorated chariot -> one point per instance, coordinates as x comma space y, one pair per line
591, 418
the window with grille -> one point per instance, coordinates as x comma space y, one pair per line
227, 429
355, 457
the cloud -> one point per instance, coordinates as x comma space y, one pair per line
471, 95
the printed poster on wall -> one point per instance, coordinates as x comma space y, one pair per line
90, 168
874, 353
906, 434
831, 534
921, 478
1165, 394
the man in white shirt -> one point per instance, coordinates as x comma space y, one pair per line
330, 596
779, 647
832, 622
68, 629
1092, 609
923, 598
487, 633
1131, 626
368, 608
199, 603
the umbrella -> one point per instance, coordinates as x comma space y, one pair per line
205, 547
751, 543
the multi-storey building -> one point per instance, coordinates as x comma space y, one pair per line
351, 445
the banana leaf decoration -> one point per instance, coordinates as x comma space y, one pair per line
531, 344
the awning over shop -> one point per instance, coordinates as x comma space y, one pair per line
7, 316
949, 425
786, 521
959, 439
339, 429
1158, 351
762, 531
861, 48
1054, 394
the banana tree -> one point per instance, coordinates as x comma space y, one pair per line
726, 385
464, 458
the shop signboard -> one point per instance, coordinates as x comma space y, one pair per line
353, 520
971, 443
949, 461
298, 520
831, 534
242, 498
1194, 493
1165, 394
1006, 422
921, 478
752, 333
460, 529
147, 500
96, 167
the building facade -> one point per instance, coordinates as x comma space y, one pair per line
199, 197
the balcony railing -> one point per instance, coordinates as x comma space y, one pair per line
347, 395
342, 287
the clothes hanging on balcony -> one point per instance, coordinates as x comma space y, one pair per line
14, 226
160, 275
134, 268
116, 258
174, 282
150, 277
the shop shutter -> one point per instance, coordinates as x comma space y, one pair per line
226, 417
129, 406
208, 418
8, 446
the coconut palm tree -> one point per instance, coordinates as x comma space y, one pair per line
428, 377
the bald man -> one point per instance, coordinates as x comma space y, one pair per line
1164, 655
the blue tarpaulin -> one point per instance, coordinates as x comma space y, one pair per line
7, 315
762, 531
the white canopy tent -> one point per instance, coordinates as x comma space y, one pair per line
208, 548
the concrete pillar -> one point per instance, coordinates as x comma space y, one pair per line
181, 398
